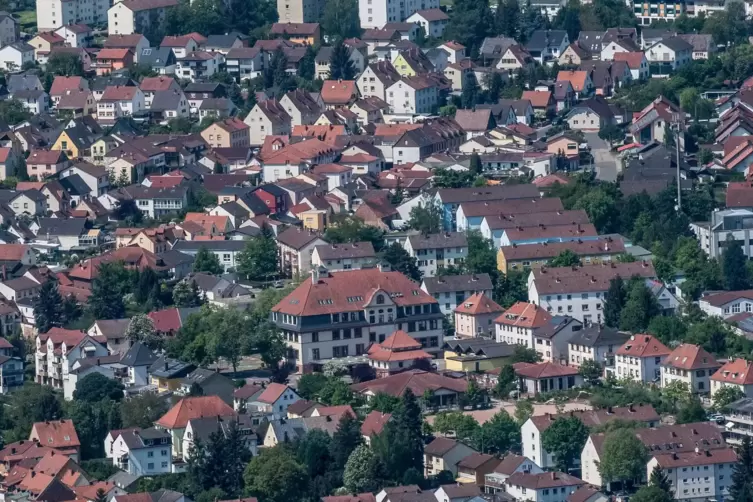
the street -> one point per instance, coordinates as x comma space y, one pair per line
605, 161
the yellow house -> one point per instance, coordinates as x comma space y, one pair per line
168, 374
474, 317
403, 67
535, 255
476, 355
72, 146
100, 147
412, 62
314, 219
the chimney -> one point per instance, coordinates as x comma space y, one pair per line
166, 365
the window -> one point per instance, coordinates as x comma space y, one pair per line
150, 465
335, 334
150, 454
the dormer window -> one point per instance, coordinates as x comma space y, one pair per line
380, 299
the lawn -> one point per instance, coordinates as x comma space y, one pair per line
27, 19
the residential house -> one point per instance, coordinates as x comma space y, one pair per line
229, 133
57, 434
597, 343
580, 81
298, 33
337, 93
190, 408
547, 45
111, 60
209, 383
437, 251
135, 42
538, 487
302, 108
199, 65
703, 44
349, 256
433, 21
138, 16
14, 56
166, 375
267, 118
140, 452
591, 115
273, 400
296, 248
640, 358
637, 63
444, 391
76, 35
395, 354
579, 291
44, 42
452, 290
535, 255
182, 45
43, 163
475, 317
682, 471
308, 349
376, 79
244, 63
444, 454
734, 373
324, 57
668, 55
543, 103
474, 468
691, 365
119, 101
511, 464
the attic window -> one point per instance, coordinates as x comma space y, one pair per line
66, 438
146, 52
415, 292
352, 299
327, 301
294, 302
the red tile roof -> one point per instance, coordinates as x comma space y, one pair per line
737, 372
167, 320
643, 345
190, 408
693, 458
182, 40
45, 157
62, 84
272, 393
543, 480
416, 380
538, 99
576, 78
232, 124
525, 315
374, 423
478, 304
113, 53
119, 93
633, 59
154, 84
690, 357
338, 92
56, 434
349, 291
12, 252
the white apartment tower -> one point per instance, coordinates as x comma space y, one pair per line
377, 13
53, 14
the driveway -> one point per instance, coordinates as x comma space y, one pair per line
605, 162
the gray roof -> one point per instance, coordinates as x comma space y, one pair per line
24, 82
174, 258
439, 241
157, 57
480, 347
166, 100
701, 42
138, 355
346, 251
201, 375
75, 185
113, 328
222, 41
541, 39
745, 404
496, 46
60, 226
145, 438
595, 335
675, 43
451, 283
166, 367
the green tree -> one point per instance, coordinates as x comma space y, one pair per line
340, 65
220, 461
498, 435
141, 329
601, 206
186, 294
65, 64
742, 477
691, 411
307, 65
340, 19
565, 439
426, 217
383, 402
31, 403
566, 258
475, 165
474, 395
507, 18
362, 471
505, 381
523, 411
611, 133
482, 257
400, 446
336, 392
207, 262
142, 410
640, 307
625, 457
106, 299
345, 440
659, 479
48, 307
522, 354
400, 261
568, 19
276, 475
591, 371
735, 274
352, 229
469, 96
13, 112
727, 395
310, 384
470, 22
258, 260
96, 387
651, 494
461, 425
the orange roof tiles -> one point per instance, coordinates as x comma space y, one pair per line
478, 304
12, 252
113, 53
687, 356
272, 393
62, 84
190, 408
374, 423
538, 99
525, 315
56, 433
633, 59
338, 92
736, 372
643, 345
576, 78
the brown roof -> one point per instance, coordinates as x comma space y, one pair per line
543, 480
693, 458
476, 460
460, 490
643, 345
119, 93
123, 41
296, 237
690, 357
374, 422
113, 53
478, 304
12, 252
543, 370
517, 206
723, 298
349, 291
576, 230
190, 408
154, 84
538, 99
576, 78
361, 497
232, 124
417, 381
305, 29
633, 59
582, 494
510, 463
301, 406
62, 84
674, 438
181, 40
45, 157
525, 315
553, 249
639, 413
735, 372
433, 15
587, 278
474, 120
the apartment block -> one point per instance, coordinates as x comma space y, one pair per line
54, 14
339, 314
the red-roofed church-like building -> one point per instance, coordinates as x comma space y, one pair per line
397, 353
